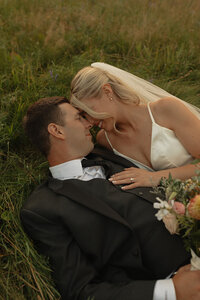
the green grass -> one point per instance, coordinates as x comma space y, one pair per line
43, 43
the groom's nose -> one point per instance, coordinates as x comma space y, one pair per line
87, 124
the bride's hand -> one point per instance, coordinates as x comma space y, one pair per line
135, 177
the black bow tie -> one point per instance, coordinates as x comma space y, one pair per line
109, 167
96, 162
93, 162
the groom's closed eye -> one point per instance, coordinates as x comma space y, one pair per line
87, 117
82, 114
90, 119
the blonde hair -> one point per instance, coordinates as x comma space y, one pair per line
88, 83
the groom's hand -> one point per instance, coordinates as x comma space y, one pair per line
187, 284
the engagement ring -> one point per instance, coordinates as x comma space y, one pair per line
132, 179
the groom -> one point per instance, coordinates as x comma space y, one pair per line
103, 243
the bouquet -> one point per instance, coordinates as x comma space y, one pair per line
179, 208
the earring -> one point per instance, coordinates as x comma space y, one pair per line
110, 98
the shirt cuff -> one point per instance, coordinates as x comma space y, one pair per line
164, 290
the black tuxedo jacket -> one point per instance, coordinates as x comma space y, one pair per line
93, 250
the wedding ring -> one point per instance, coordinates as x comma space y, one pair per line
132, 179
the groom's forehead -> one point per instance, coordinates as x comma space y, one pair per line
68, 109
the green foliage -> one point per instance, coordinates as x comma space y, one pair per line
43, 43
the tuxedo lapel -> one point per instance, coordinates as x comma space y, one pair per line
110, 156
119, 164
86, 194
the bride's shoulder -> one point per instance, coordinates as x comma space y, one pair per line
167, 105
167, 110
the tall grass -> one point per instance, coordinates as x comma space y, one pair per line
43, 43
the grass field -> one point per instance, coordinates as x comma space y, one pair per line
43, 43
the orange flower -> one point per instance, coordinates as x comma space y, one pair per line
194, 207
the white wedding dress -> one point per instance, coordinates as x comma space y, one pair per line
166, 150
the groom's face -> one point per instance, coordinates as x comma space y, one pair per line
76, 130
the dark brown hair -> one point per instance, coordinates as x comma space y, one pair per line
39, 115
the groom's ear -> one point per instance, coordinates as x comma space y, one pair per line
56, 131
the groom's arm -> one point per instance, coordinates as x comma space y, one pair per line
74, 274
187, 284
164, 289
77, 279
183, 286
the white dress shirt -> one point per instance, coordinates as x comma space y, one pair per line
164, 289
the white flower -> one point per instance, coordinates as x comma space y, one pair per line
162, 204
161, 213
164, 208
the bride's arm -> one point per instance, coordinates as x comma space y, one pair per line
135, 177
172, 114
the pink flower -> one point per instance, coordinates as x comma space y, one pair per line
171, 223
179, 208
194, 207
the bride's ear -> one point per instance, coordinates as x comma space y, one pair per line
56, 131
107, 89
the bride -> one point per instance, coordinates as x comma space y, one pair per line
156, 131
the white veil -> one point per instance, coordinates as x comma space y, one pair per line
144, 89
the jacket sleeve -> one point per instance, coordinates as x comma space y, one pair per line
74, 275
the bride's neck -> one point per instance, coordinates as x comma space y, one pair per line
130, 116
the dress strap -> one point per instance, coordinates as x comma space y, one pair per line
150, 113
108, 140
